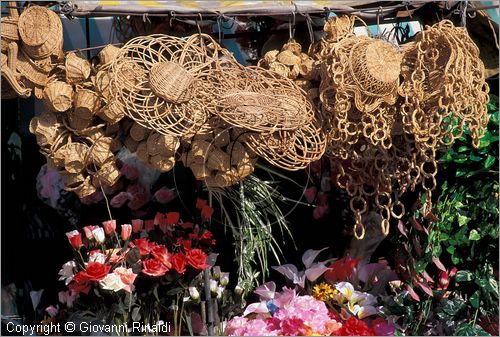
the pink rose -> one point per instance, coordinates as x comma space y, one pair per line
161, 253
137, 225
52, 311
109, 226
127, 276
320, 211
126, 232
154, 267
88, 231
75, 239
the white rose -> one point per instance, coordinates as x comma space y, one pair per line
97, 257
224, 279
98, 234
193, 292
67, 272
113, 282
213, 286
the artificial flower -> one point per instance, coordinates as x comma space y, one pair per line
113, 282
97, 256
127, 276
154, 267
194, 293
75, 239
341, 270
52, 311
161, 253
178, 261
149, 225
130, 172
137, 225
67, 272
98, 234
126, 232
109, 226
197, 259
200, 203
173, 218
354, 327
120, 199
116, 255
224, 279
143, 244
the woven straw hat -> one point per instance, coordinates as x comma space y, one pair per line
41, 32
77, 68
58, 96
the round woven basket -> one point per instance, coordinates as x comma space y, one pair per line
171, 82
58, 96
107, 55
75, 160
162, 163
102, 84
108, 174
87, 103
41, 32
100, 151
138, 132
166, 145
131, 144
112, 113
77, 68
76, 123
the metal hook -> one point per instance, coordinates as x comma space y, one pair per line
172, 17
199, 22
379, 10
463, 14
310, 27
145, 17
291, 32
219, 26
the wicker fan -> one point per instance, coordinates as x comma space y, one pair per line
161, 81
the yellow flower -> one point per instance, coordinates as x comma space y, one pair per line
324, 292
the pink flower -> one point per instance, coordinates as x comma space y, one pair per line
320, 211
94, 198
149, 225
88, 231
127, 276
161, 253
126, 232
120, 199
75, 239
444, 279
109, 226
67, 297
200, 203
130, 172
52, 311
206, 212
159, 219
294, 326
116, 256
137, 225
165, 195
382, 327
173, 218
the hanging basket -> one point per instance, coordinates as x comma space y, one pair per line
8, 29
77, 68
41, 32
171, 82
75, 160
162, 144
108, 174
31, 71
58, 96
107, 55
112, 113
87, 103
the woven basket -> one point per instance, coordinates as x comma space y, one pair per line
76, 123
171, 82
31, 71
138, 132
41, 32
14, 84
79, 184
107, 55
102, 84
87, 103
77, 68
108, 174
218, 160
142, 152
162, 163
112, 113
131, 144
166, 145
75, 160
200, 171
58, 96
8, 28
100, 151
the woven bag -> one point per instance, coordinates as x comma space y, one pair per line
58, 96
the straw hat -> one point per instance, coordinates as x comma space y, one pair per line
77, 68
58, 96
41, 32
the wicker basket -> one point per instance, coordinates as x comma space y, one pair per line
77, 68
166, 145
108, 174
162, 163
8, 29
58, 96
107, 55
87, 103
41, 32
112, 113
31, 71
171, 82
75, 160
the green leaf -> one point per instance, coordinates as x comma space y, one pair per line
464, 276
473, 157
474, 235
465, 329
136, 315
462, 220
451, 249
474, 299
453, 307
489, 161
463, 148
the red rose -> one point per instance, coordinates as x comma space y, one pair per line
178, 261
82, 287
159, 219
154, 267
207, 235
137, 225
149, 225
161, 253
186, 244
200, 203
75, 239
206, 212
144, 246
95, 271
197, 259
173, 218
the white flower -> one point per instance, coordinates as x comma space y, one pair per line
98, 234
216, 272
193, 292
67, 272
363, 299
224, 279
238, 290
362, 311
96, 256
113, 282
220, 290
213, 286
346, 289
